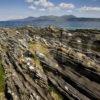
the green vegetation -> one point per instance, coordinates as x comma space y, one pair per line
1, 78
54, 93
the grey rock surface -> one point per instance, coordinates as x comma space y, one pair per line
48, 64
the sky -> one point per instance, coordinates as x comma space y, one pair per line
17, 9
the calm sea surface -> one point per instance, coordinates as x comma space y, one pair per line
67, 24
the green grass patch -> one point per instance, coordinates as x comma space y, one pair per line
2, 75
54, 93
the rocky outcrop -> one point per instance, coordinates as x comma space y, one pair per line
41, 65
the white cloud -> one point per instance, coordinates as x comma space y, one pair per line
41, 4
89, 9
32, 7
29, 1
66, 6
47, 5
42, 9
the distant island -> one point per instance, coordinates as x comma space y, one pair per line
57, 18
64, 21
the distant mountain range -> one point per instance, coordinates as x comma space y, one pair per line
57, 18
48, 20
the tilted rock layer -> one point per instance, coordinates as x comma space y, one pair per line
50, 64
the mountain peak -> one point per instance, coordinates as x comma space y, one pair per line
68, 16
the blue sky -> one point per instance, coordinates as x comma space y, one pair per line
16, 9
